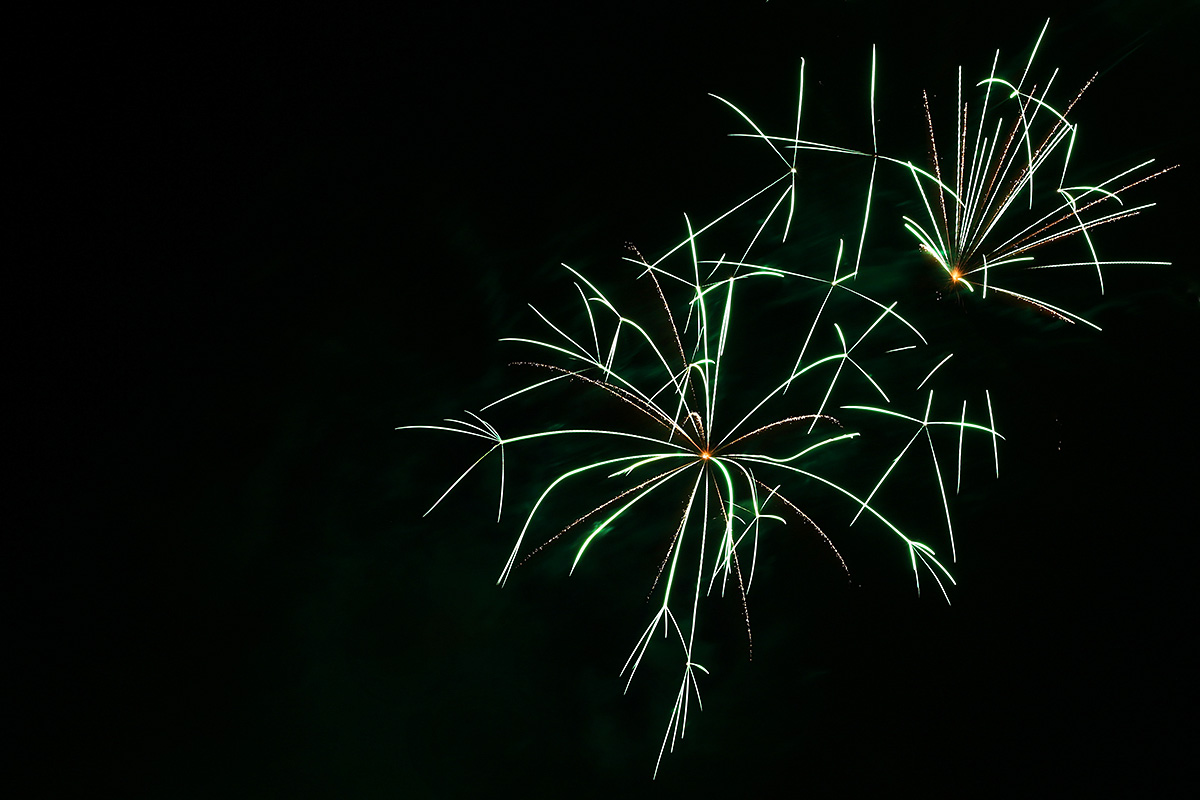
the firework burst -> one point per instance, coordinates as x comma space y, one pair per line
1018, 167
731, 473
1005, 194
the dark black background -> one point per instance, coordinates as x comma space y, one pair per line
251, 244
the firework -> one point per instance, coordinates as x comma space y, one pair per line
1019, 166
733, 468
729, 469
1006, 194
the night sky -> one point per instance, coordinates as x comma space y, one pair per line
250, 246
